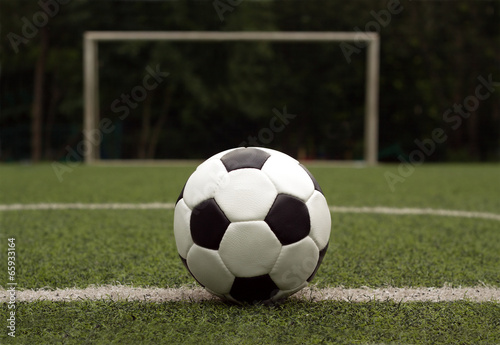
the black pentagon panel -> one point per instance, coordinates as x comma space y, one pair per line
322, 253
184, 261
316, 184
245, 158
289, 219
253, 289
181, 195
208, 224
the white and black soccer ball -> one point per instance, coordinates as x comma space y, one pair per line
252, 225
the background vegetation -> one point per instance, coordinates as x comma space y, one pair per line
217, 95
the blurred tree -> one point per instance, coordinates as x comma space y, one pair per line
217, 95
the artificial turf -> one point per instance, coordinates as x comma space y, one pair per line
473, 187
77, 248
294, 322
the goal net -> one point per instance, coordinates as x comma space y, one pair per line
100, 116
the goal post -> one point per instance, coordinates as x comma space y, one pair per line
91, 72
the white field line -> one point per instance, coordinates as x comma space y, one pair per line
312, 294
85, 206
415, 211
169, 206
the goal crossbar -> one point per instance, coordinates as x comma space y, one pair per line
91, 73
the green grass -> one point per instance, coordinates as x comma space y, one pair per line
474, 187
294, 322
34, 184
77, 248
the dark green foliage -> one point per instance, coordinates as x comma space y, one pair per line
219, 94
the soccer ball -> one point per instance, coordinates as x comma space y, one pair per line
252, 225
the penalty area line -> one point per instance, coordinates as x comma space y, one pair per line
415, 211
87, 206
311, 294
170, 206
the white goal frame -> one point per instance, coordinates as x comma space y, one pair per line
91, 71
